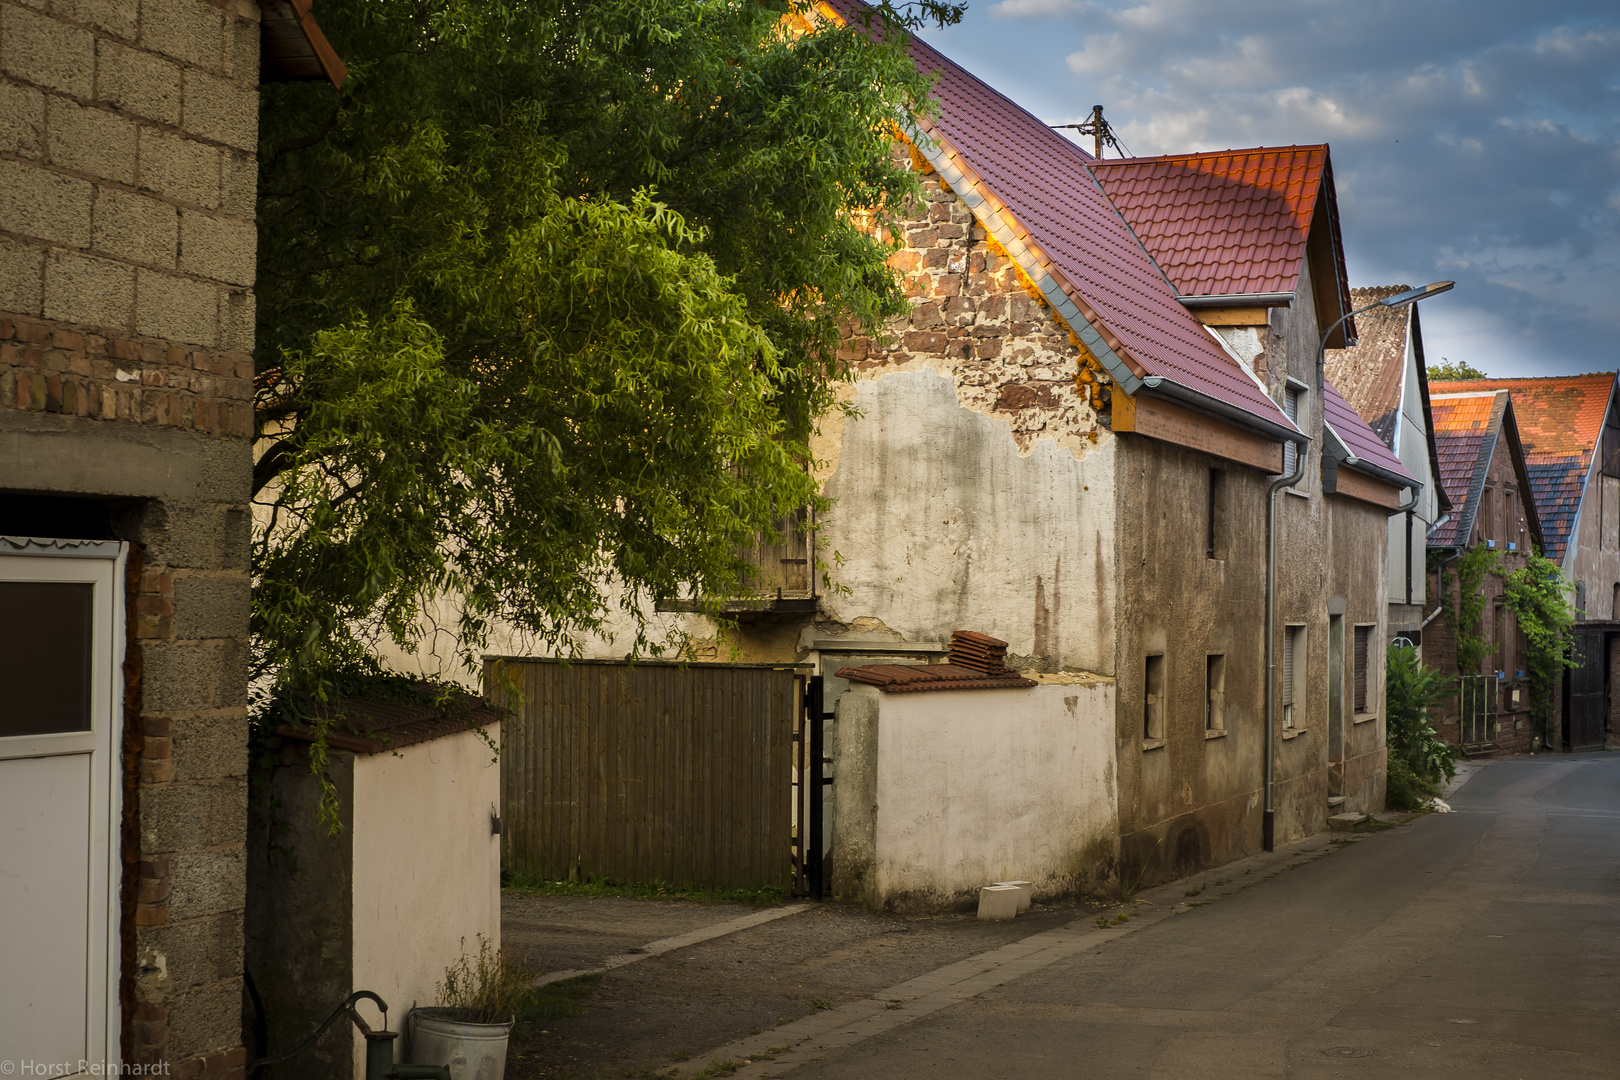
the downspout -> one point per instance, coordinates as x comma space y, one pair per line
1268, 818
1407, 508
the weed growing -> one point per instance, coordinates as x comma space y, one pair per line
523, 883
1194, 891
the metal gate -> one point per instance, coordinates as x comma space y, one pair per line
1588, 701
810, 782
679, 773
1476, 713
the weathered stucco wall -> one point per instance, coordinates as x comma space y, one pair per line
127, 244
943, 793
427, 868
1191, 798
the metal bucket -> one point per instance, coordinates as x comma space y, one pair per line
473, 1051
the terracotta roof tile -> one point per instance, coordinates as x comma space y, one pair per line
1560, 422
1044, 182
1359, 438
1232, 221
1465, 430
1369, 374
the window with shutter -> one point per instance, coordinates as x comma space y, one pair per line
1363, 642
1293, 671
1291, 400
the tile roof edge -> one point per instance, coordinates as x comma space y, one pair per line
1195, 154
1372, 468
1067, 302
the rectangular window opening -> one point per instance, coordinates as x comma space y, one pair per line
1215, 516
1153, 700
1215, 693
1293, 399
1363, 645
1293, 672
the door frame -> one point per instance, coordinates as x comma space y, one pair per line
102, 563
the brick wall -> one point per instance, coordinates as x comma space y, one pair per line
128, 131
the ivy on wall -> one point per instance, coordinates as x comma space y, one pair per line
1465, 610
1538, 597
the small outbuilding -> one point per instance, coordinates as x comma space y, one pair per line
390, 900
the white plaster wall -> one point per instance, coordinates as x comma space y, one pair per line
1412, 447
426, 867
943, 523
987, 785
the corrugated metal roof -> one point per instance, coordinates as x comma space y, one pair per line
1369, 374
1358, 437
1041, 181
1560, 421
1226, 222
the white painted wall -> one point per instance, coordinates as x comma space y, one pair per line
943, 522
1412, 447
427, 868
950, 791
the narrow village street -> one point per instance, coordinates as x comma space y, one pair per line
1480, 943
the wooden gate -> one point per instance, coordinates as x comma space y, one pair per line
1588, 700
648, 772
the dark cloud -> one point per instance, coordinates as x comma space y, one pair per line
1478, 141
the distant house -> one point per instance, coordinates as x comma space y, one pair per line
1482, 465
1571, 430
1383, 378
1070, 443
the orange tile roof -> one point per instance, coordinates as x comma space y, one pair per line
1560, 422
1227, 222
1465, 430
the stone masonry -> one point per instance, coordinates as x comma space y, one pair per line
128, 133
977, 318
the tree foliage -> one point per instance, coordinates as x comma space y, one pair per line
1454, 371
548, 300
1538, 597
1419, 761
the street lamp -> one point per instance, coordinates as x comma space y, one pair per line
1400, 299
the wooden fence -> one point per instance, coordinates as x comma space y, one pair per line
648, 772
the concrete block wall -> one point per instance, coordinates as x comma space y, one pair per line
128, 133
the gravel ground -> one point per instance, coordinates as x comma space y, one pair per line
648, 1014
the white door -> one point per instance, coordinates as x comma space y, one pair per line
61, 702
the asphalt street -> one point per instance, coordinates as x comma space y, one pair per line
1479, 944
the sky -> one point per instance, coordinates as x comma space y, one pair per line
1476, 141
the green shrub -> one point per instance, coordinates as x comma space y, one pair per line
1418, 762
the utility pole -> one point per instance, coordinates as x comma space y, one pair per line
1101, 134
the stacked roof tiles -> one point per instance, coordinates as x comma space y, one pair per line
1466, 427
1560, 421
1367, 449
1226, 223
1369, 374
977, 662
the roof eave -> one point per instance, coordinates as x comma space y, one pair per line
1212, 300
1060, 293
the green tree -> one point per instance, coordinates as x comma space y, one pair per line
1454, 371
548, 300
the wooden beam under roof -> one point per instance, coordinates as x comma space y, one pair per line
292, 47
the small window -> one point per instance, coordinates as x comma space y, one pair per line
1215, 516
1498, 637
1293, 672
1580, 601
1363, 644
1292, 403
1614, 605
1153, 702
1215, 693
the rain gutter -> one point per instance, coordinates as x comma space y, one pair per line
1268, 817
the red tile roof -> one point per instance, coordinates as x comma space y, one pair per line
1232, 221
1466, 427
1369, 374
1560, 421
1063, 225
1360, 439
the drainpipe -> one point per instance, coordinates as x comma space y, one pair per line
1268, 818
1407, 508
